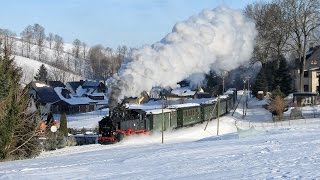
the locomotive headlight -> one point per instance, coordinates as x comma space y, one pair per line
114, 133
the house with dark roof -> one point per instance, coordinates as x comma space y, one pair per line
44, 95
71, 104
89, 86
94, 86
94, 90
311, 71
53, 96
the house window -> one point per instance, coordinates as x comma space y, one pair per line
314, 62
306, 74
305, 88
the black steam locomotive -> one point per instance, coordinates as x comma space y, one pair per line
121, 122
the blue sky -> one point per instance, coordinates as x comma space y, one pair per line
107, 22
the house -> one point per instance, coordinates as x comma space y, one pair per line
94, 86
311, 71
182, 93
71, 104
94, 90
43, 95
55, 97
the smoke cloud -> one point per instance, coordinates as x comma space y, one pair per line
218, 39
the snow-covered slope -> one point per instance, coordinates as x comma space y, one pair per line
277, 153
30, 68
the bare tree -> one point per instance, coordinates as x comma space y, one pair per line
7, 39
50, 39
273, 31
76, 48
304, 16
76, 53
58, 74
39, 36
110, 60
119, 58
84, 50
27, 35
96, 56
58, 47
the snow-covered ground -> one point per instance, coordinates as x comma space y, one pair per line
269, 152
86, 120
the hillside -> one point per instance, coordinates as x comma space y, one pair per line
30, 68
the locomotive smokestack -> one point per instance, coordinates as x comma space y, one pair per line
114, 94
216, 39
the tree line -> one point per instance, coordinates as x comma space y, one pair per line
96, 62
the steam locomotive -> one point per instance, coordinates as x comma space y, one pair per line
124, 121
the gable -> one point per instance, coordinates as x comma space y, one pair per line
75, 84
313, 58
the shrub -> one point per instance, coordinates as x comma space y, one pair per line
277, 106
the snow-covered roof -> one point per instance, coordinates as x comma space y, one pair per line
38, 84
157, 104
74, 100
80, 91
158, 111
143, 106
184, 105
184, 91
228, 92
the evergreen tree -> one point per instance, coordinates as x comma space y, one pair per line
54, 140
42, 74
63, 124
17, 126
260, 83
212, 82
283, 78
270, 71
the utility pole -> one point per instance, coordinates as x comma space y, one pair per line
218, 122
244, 84
162, 105
244, 94
248, 81
223, 74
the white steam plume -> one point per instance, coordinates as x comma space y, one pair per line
221, 38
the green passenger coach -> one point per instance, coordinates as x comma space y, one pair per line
208, 112
187, 114
155, 119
